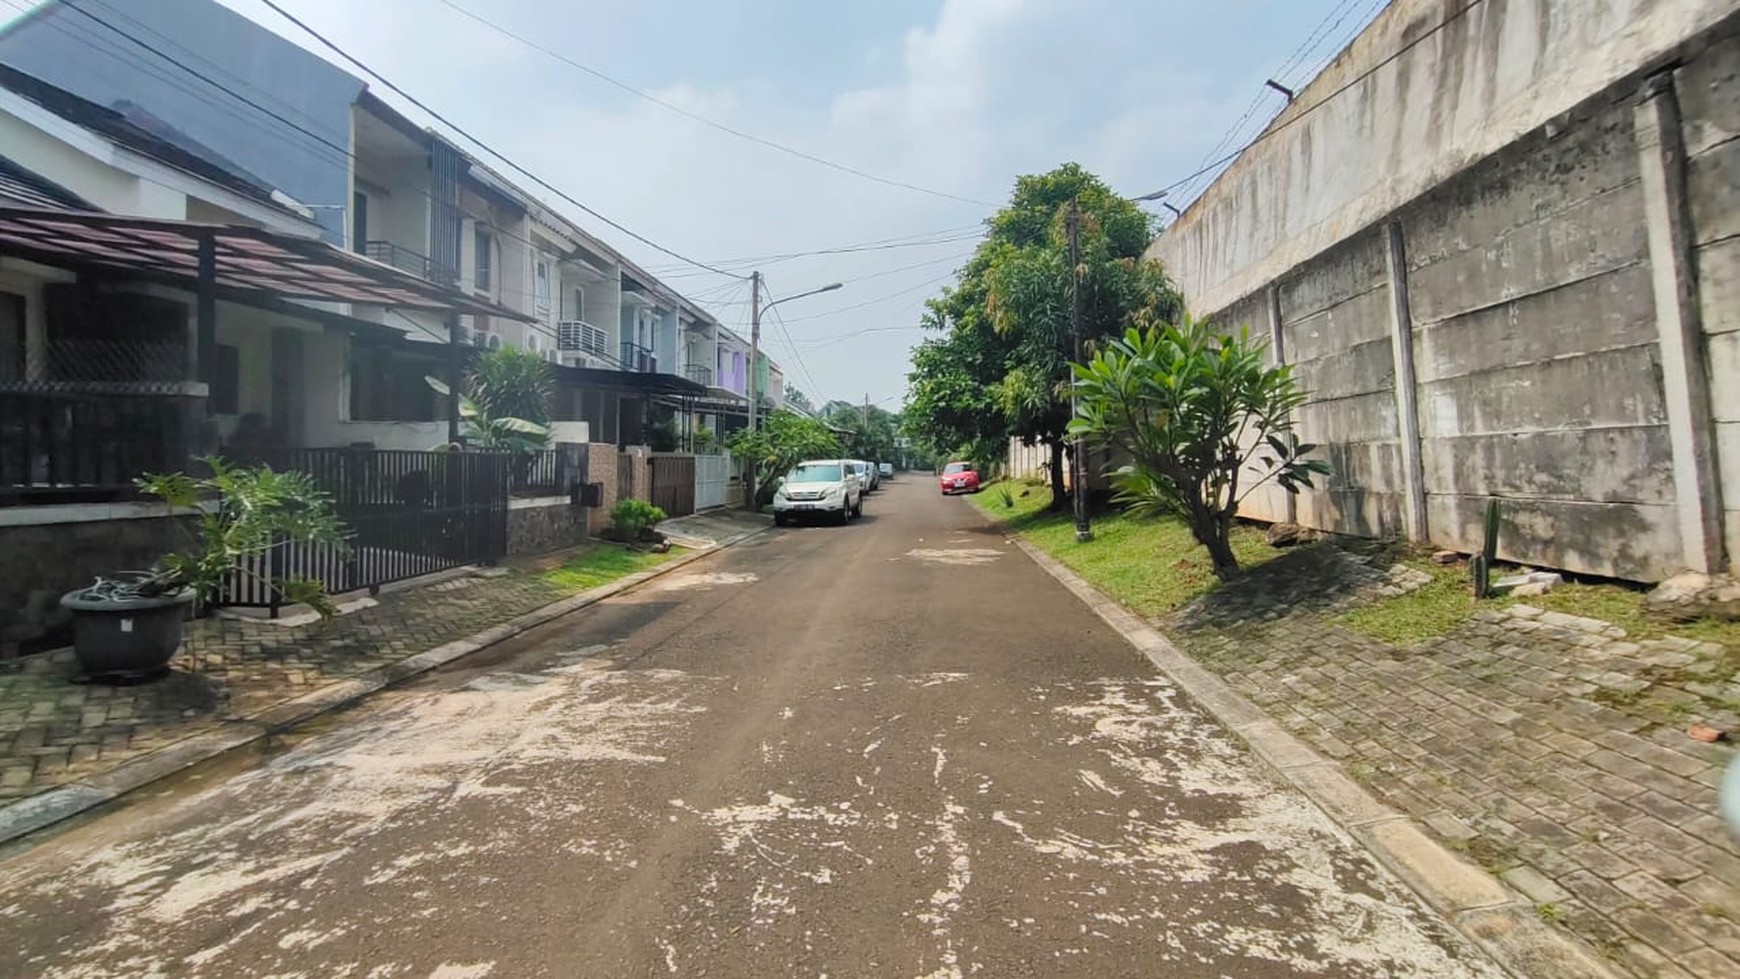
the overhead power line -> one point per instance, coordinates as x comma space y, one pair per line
679, 110
1304, 113
492, 151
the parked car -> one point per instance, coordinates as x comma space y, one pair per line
875, 475
819, 487
959, 477
886, 469
860, 471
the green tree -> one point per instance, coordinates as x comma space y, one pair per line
784, 439
1003, 368
1202, 419
799, 400
870, 433
506, 405
509, 383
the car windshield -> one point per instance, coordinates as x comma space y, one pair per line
958, 467
815, 472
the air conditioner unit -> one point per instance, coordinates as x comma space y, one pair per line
495, 341
553, 356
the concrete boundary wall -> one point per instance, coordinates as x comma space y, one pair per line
1552, 318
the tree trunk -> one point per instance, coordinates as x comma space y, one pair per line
1059, 495
1212, 533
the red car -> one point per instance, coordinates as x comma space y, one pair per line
959, 477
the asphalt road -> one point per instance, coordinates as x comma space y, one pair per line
896, 748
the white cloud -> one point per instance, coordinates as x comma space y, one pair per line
960, 101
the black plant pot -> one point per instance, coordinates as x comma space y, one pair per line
126, 638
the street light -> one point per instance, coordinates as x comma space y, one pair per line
755, 311
1084, 530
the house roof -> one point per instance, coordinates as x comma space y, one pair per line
169, 147
251, 263
20, 187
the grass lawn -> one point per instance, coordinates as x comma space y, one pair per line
1153, 567
1150, 566
600, 564
1434, 609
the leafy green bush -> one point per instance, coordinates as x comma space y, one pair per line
634, 517
1007, 496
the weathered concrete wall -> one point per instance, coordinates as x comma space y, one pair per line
1335, 163
47, 560
1525, 285
536, 526
1708, 88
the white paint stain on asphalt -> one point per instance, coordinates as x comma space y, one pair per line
451, 970
959, 556
704, 580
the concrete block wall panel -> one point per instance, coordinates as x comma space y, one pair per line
1708, 88
1251, 314
1536, 354
1335, 330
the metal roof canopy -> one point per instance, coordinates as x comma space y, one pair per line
247, 259
632, 382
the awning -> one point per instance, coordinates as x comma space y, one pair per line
249, 262
631, 382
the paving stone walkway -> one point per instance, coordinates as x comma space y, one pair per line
54, 730
1549, 748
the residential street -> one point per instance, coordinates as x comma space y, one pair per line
896, 748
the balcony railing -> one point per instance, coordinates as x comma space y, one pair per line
700, 374
581, 335
638, 358
404, 259
87, 447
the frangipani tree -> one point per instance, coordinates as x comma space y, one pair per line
1204, 422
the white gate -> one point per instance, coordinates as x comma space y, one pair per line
712, 477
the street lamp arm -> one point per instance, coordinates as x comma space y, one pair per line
827, 288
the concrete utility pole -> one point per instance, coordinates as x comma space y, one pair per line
754, 346
1077, 466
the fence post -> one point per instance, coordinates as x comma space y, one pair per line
1407, 408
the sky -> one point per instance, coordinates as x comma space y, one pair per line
957, 97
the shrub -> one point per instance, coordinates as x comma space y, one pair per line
634, 517
1007, 497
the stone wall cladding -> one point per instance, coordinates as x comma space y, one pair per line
536, 529
46, 561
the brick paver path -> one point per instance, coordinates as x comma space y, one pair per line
1547, 747
54, 730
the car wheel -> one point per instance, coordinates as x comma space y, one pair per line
844, 516
858, 511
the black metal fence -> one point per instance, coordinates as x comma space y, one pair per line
550, 472
67, 446
410, 514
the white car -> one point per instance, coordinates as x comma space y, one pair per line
819, 487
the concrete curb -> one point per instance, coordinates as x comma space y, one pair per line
44, 809
1499, 921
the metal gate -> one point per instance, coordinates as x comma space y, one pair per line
673, 483
712, 481
409, 514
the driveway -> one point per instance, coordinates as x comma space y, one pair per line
896, 748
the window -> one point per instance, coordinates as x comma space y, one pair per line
484, 263
12, 339
359, 222
541, 285
579, 310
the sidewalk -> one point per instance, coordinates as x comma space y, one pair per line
234, 679
1545, 747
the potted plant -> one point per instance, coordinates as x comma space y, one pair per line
128, 625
